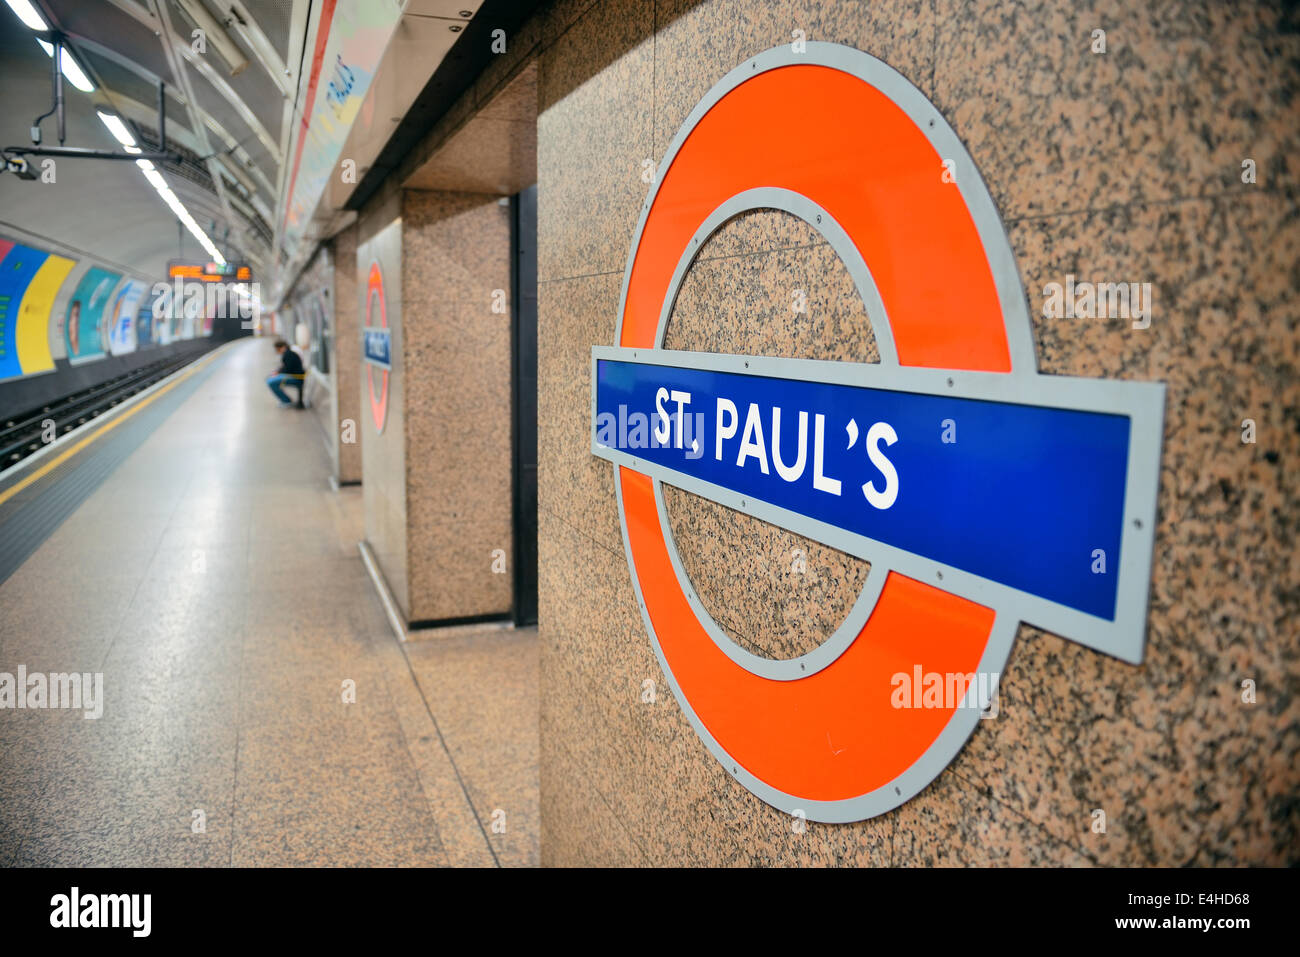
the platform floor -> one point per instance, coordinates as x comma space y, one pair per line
214, 579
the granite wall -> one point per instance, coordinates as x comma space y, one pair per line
456, 350
451, 558
1121, 166
346, 398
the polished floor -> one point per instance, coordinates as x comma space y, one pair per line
214, 579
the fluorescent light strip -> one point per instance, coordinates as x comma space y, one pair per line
33, 20
162, 189
117, 128
70, 67
28, 14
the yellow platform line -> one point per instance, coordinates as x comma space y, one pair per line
68, 453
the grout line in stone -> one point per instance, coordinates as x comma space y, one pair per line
1080, 849
447, 751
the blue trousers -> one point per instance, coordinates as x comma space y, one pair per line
276, 381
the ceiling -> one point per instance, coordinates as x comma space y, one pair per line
233, 113
227, 114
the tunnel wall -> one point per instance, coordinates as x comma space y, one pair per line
31, 392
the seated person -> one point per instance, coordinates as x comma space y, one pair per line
290, 371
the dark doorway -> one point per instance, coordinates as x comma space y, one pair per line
523, 241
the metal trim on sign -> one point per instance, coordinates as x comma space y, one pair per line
1143, 403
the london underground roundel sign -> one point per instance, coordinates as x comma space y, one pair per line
377, 347
982, 493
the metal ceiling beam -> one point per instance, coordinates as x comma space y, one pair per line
273, 146
246, 163
221, 86
139, 13
240, 175
215, 34
237, 18
83, 42
169, 45
304, 22
250, 174
146, 115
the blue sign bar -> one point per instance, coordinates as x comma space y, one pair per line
1019, 494
377, 344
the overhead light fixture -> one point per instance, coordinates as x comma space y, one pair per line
171, 199
72, 70
117, 128
28, 14
32, 19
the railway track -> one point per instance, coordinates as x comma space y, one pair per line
25, 434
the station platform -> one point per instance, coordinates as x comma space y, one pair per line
212, 576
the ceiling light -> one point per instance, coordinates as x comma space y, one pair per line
25, 12
172, 200
75, 75
117, 128
70, 67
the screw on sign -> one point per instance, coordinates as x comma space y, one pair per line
980, 491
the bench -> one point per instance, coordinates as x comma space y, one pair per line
300, 380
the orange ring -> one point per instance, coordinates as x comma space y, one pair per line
378, 404
848, 147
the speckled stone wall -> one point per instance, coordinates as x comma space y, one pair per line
455, 267
383, 454
1122, 166
346, 398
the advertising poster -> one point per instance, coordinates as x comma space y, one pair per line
350, 42
84, 325
149, 329
18, 266
318, 322
121, 327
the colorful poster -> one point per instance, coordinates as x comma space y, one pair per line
17, 269
350, 41
318, 326
121, 327
84, 326
149, 328
36, 314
